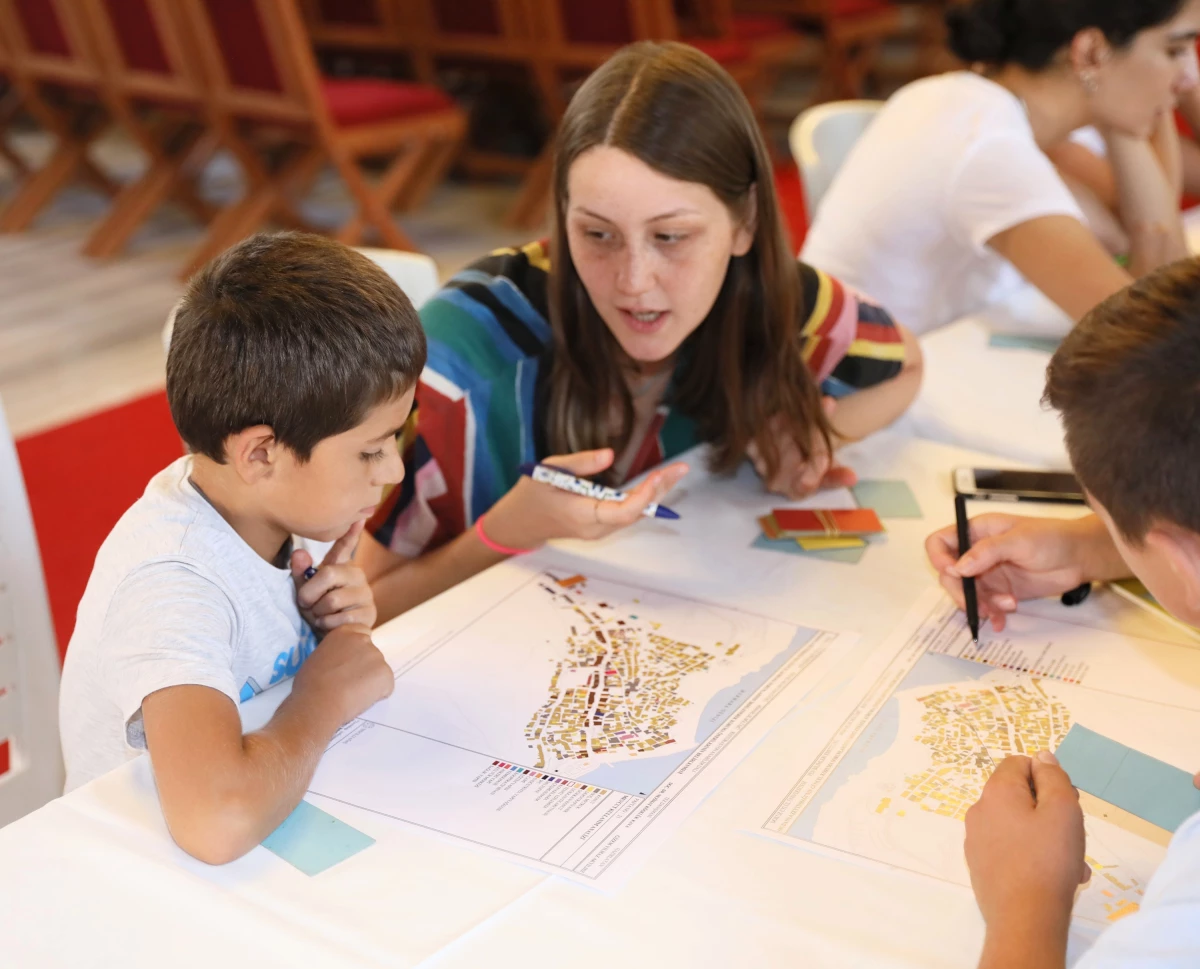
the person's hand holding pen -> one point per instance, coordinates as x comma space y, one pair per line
1014, 558
532, 513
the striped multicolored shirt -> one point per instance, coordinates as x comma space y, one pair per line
480, 402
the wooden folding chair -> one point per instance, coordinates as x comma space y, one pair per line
54, 69
575, 38
10, 110
282, 121
153, 87
370, 25
772, 42
494, 36
496, 31
853, 32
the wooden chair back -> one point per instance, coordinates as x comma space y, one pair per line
827, 13
356, 24
5, 55
50, 43
586, 34
257, 59
144, 50
496, 30
706, 18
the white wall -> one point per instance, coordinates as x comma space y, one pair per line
28, 656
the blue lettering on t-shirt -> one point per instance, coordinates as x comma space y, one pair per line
288, 662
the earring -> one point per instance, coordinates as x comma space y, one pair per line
1088, 80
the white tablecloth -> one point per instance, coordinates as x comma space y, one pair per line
93, 878
975, 395
989, 398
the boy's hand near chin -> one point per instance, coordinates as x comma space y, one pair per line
339, 593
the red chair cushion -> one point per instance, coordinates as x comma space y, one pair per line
366, 100
723, 50
759, 28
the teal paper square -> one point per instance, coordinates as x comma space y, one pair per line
313, 840
1089, 759
1011, 341
1135, 782
889, 499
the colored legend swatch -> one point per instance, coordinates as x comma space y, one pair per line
1004, 654
552, 778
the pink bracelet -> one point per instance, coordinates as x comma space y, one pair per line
495, 547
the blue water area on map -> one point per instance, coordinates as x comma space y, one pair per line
643, 776
930, 670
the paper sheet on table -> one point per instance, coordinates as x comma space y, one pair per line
907, 748
571, 722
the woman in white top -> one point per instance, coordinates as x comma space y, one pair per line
948, 199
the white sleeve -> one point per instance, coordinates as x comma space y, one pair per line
166, 625
1004, 180
1165, 933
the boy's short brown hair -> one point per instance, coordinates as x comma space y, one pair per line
1127, 382
290, 330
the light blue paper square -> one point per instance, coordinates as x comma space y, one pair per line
890, 499
314, 840
1126, 778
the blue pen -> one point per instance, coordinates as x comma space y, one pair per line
565, 481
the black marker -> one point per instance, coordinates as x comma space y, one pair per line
968, 584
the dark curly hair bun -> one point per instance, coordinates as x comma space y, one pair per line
1032, 32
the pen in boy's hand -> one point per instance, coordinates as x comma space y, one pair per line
968, 584
310, 572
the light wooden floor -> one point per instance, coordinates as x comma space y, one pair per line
78, 335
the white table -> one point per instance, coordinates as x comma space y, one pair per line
93, 879
981, 396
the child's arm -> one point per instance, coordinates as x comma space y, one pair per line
223, 792
1024, 848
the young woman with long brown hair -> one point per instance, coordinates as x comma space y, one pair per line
667, 311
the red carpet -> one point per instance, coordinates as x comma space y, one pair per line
81, 477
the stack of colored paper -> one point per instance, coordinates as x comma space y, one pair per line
822, 529
838, 534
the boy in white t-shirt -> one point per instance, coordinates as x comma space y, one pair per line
1127, 383
292, 368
